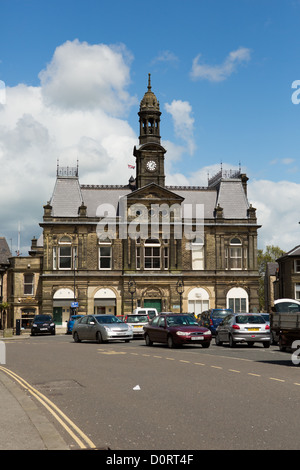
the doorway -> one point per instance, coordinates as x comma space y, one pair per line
153, 303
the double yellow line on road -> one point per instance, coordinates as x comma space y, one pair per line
83, 441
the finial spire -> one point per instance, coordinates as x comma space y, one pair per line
149, 81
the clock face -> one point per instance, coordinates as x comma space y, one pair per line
151, 165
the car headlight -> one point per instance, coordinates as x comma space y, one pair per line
34, 324
51, 324
207, 332
183, 333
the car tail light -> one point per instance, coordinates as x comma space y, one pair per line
210, 321
235, 327
267, 327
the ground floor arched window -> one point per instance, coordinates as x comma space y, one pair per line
198, 300
238, 300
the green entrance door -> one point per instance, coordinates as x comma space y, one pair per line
153, 303
57, 315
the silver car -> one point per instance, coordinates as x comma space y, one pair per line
101, 328
247, 328
137, 323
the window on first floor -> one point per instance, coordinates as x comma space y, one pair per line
105, 258
297, 266
197, 249
297, 291
234, 255
65, 255
152, 255
28, 284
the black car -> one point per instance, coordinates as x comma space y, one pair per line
43, 324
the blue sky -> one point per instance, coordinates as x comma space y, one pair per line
223, 74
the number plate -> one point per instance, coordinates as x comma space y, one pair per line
197, 337
253, 329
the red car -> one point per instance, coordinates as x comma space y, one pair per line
176, 329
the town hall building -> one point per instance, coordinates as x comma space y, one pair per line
111, 248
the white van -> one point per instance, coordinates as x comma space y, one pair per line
151, 312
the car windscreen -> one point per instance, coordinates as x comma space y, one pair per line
249, 319
107, 319
43, 318
220, 313
137, 319
284, 307
181, 320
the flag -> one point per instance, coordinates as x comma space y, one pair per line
131, 166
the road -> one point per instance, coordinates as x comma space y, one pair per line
134, 397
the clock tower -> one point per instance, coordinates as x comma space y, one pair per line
150, 154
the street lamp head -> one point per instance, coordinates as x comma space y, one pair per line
132, 286
180, 286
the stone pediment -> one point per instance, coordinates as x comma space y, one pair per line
154, 193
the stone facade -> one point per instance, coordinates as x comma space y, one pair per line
97, 241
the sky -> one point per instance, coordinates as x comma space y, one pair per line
226, 74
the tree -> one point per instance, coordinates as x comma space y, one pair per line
271, 254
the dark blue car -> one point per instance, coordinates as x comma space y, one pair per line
71, 322
212, 318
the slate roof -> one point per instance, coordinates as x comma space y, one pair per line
294, 252
4, 251
68, 196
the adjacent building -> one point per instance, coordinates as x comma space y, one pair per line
287, 284
110, 248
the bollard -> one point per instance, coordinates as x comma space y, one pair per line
18, 327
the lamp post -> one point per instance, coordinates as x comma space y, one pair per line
132, 290
180, 289
74, 262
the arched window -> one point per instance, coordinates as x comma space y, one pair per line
237, 299
64, 255
234, 254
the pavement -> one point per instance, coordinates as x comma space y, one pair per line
24, 425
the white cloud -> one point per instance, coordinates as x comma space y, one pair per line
60, 120
277, 205
217, 73
181, 112
166, 56
83, 76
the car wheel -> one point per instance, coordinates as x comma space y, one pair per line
148, 340
231, 342
205, 345
170, 342
76, 337
217, 340
281, 346
127, 340
99, 337
250, 344
266, 344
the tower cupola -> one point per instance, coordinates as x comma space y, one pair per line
149, 117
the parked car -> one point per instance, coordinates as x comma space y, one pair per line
71, 322
176, 329
101, 328
213, 317
137, 322
42, 324
151, 312
247, 328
